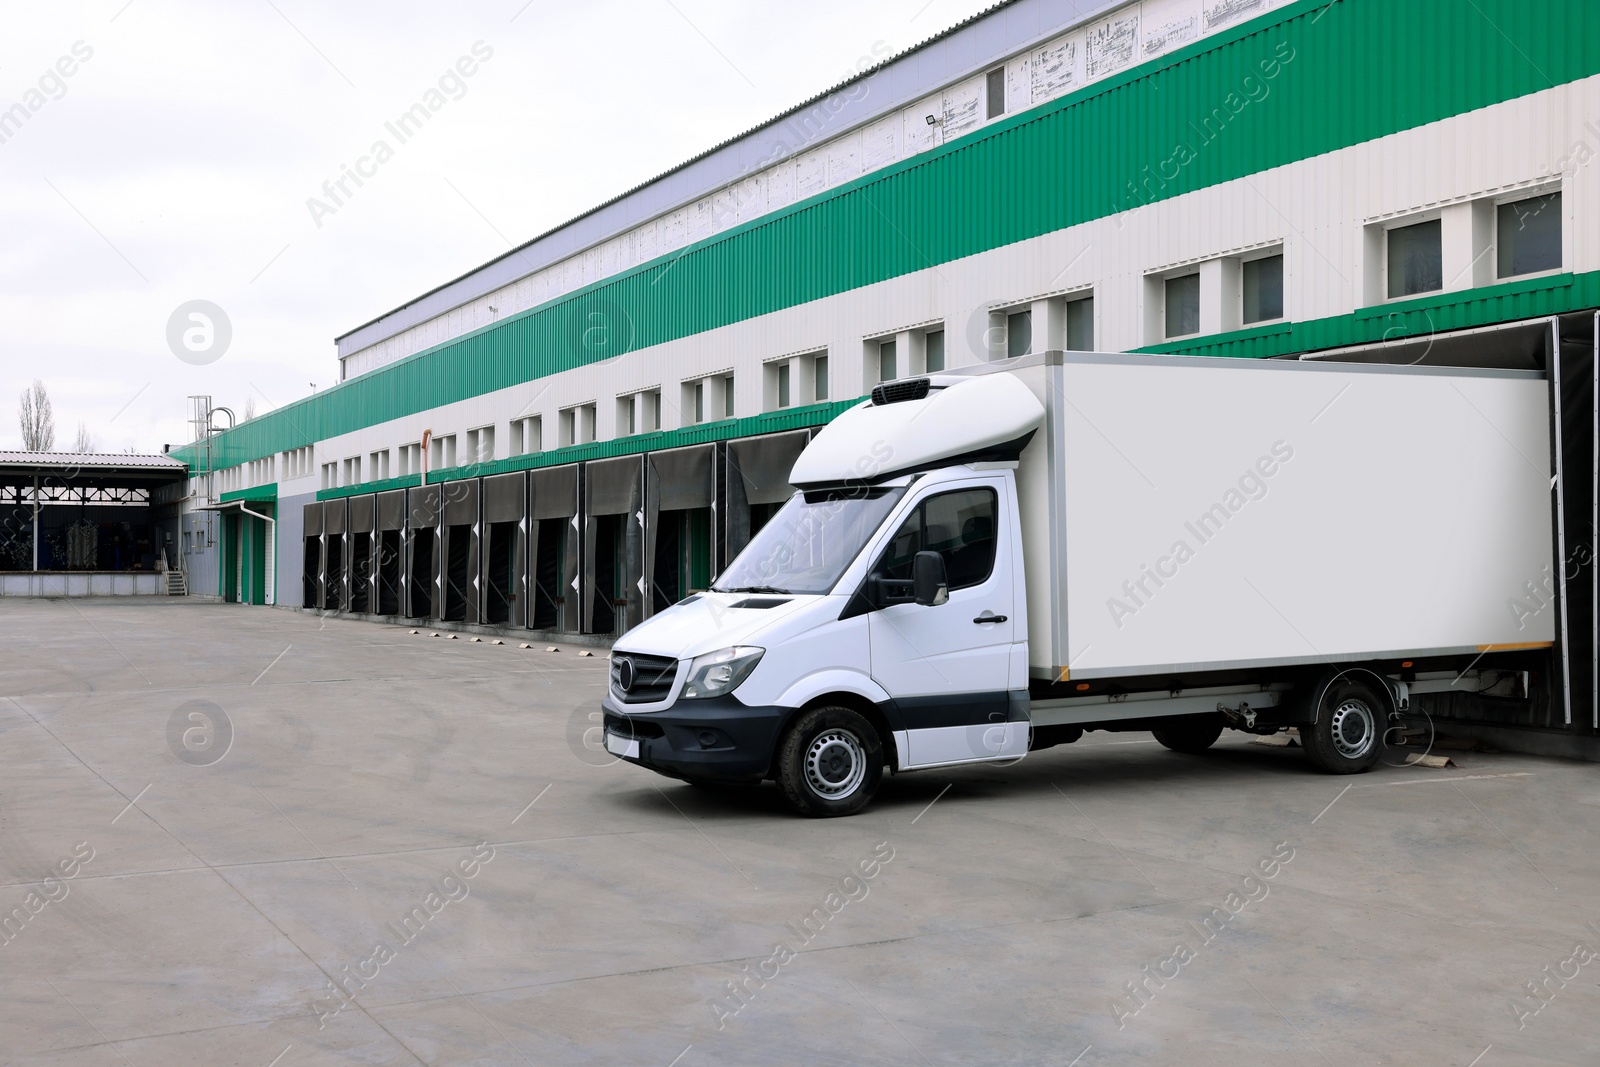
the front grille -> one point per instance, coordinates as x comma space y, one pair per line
898, 392
652, 677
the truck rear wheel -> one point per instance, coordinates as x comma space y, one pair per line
830, 762
1347, 737
1192, 734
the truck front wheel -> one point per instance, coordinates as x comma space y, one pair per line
1192, 733
830, 762
1347, 737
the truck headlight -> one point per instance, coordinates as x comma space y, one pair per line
717, 673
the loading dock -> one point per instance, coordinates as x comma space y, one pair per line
390, 522
553, 573
613, 549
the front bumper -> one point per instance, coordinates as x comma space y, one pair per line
719, 739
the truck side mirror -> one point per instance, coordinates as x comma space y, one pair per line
929, 585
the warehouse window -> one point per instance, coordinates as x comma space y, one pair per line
480, 444
1182, 308
330, 475
1080, 324
1019, 333
627, 415
1529, 235
410, 459
819, 367
1415, 259
782, 386
352, 471
1261, 289
709, 399
525, 435
934, 351
442, 452
379, 462
887, 368
996, 85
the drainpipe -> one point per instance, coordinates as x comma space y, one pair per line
426, 436
35, 522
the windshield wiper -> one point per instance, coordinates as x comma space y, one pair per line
753, 589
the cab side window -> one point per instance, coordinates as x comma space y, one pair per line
960, 526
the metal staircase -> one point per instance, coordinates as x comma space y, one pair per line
177, 579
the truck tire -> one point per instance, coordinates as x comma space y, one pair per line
1347, 737
1192, 733
829, 762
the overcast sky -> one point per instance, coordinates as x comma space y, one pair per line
165, 152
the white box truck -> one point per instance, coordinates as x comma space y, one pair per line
980, 563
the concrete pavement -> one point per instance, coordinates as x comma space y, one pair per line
270, 818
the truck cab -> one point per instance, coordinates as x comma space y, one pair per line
878, 619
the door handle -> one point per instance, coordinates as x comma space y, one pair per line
988, 618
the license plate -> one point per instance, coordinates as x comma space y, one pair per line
626, 747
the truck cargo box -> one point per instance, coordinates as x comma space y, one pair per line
1215, 513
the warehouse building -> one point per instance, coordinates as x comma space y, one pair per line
587, 428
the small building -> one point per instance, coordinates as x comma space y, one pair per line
80, 523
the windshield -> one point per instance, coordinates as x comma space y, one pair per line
807, 545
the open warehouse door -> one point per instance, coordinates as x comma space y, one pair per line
362, 562
613, 552
553, 549
423, 512
757, 483
504, 529
389, 550
311, 566
459, 551
680, 489
336, 554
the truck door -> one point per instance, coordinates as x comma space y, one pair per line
947, 665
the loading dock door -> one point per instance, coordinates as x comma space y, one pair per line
460, 551
758, 483
422, 575
553, 572
679, 500
362, 563
613, 551
503, 525
336, 554
311, 578
390, 519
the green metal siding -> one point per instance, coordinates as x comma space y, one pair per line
1360, 70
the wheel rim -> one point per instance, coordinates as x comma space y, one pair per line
1353, 728
836, 764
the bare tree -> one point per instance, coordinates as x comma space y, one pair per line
249, 408
37, 419
83, 442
